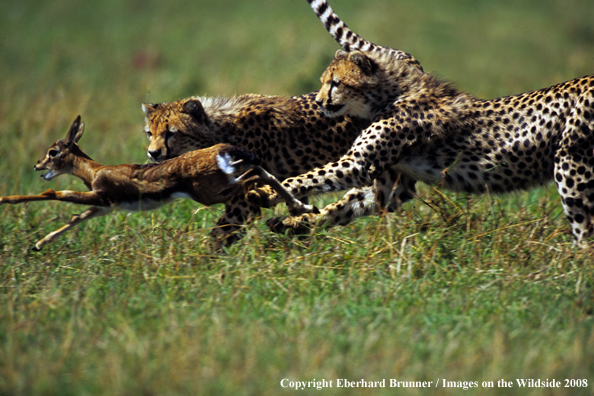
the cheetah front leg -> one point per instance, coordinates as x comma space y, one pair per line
388, 193
361, 167
230, 227
357, 202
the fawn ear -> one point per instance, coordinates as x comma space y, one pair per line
75, 131
194, 108
148, 108
363, 62
79, 133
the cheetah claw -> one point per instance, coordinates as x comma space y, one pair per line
282, 224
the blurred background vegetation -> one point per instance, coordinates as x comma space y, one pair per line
60, 58
470, 288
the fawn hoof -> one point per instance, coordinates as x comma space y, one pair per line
36, 249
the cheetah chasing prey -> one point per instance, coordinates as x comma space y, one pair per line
423, 129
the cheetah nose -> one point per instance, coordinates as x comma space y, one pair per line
154, 154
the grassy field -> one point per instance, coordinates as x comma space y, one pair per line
453, 287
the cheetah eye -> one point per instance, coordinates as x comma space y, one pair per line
335, 83
149, 135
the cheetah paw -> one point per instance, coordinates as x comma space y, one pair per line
261, 198
297, 225
303, 209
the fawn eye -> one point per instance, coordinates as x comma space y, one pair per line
53, 153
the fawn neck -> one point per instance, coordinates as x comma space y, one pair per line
82, 166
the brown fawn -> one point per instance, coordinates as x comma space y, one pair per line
208, 176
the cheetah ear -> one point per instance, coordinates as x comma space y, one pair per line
148, 108
340, 54
194, 108
364, 63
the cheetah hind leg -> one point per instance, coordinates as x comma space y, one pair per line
575, 183
579, 210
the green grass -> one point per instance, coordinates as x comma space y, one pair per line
457, 287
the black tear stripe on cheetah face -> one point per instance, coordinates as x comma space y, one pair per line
425, 130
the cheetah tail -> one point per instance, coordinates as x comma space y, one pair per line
343, 35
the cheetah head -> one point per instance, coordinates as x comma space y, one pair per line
346, 85
175, 128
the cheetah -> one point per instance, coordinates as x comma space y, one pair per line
423, 129
289, 135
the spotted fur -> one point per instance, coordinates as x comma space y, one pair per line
423, 129
290, 136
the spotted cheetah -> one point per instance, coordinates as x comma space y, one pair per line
425, 130
290, 136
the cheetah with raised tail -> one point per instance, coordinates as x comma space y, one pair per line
424, 129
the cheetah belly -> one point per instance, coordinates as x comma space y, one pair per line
455, 178
463, 175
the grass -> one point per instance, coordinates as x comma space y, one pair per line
453, 287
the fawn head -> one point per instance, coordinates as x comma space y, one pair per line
57, 160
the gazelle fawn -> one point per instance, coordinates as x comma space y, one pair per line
208, 176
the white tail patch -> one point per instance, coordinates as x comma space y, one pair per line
226, 164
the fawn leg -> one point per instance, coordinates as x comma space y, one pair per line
82, 198
16, 199
94, 211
